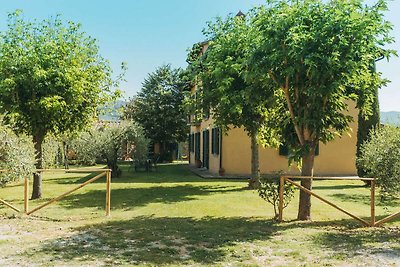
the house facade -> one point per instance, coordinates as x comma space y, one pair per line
231, 151
213, 150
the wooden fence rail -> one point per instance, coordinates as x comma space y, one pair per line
103, 172
372, 221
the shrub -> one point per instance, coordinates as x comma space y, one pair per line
269, 191
52, 152
380, 157
85, 149
16, 154
106, 141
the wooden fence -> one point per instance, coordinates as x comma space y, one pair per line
103, 172
371, 222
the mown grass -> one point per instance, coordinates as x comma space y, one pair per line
172, 217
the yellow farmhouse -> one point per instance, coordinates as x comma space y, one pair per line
211, 149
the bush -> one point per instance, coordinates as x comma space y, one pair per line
269, 191
380, 157
106, 142
16, 154
52, 152
85, 148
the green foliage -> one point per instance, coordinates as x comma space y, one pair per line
52, 152
318, 55
108, 141
52, 78
84, 148
225, 87
269, 191
16, 154
380, 157
365, 125
158, 107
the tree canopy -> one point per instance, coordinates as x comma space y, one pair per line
318, 55
158, 107
224, 88
52, 79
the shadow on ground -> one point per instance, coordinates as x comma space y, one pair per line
163, 240
165, 173
347, 243
159, 241
131, 198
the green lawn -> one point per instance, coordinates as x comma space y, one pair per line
172, 217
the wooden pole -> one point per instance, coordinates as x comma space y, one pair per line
372, 224
281, 187
108, 193
26, 195
67, 193
328, 202
9, 205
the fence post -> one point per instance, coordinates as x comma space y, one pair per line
108, 192
26, 195
372, 203
281, 186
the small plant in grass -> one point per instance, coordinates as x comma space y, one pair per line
269, 191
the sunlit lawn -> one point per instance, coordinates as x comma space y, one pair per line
172, 217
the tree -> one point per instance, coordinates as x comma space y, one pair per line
365, 126
318, 55
380, 158
106, 141
222, 85
52, 79
16, 155
158, 107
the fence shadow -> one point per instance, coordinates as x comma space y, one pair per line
131, 198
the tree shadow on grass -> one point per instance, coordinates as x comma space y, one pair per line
166, 173
337, 187
366, 200
131, 198
185, 241
348, 243
158, 241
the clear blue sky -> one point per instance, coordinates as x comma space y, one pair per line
149, 33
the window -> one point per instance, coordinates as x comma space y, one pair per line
215, 137
191, 142
197, 146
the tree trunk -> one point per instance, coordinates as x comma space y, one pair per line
65, 150
255, 164
37, 177
113, 165
305, 199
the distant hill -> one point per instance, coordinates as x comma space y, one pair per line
390, 117
112, 112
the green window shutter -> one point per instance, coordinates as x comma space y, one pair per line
190, 142
317, 150
217, 138
213, 141
197, 146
